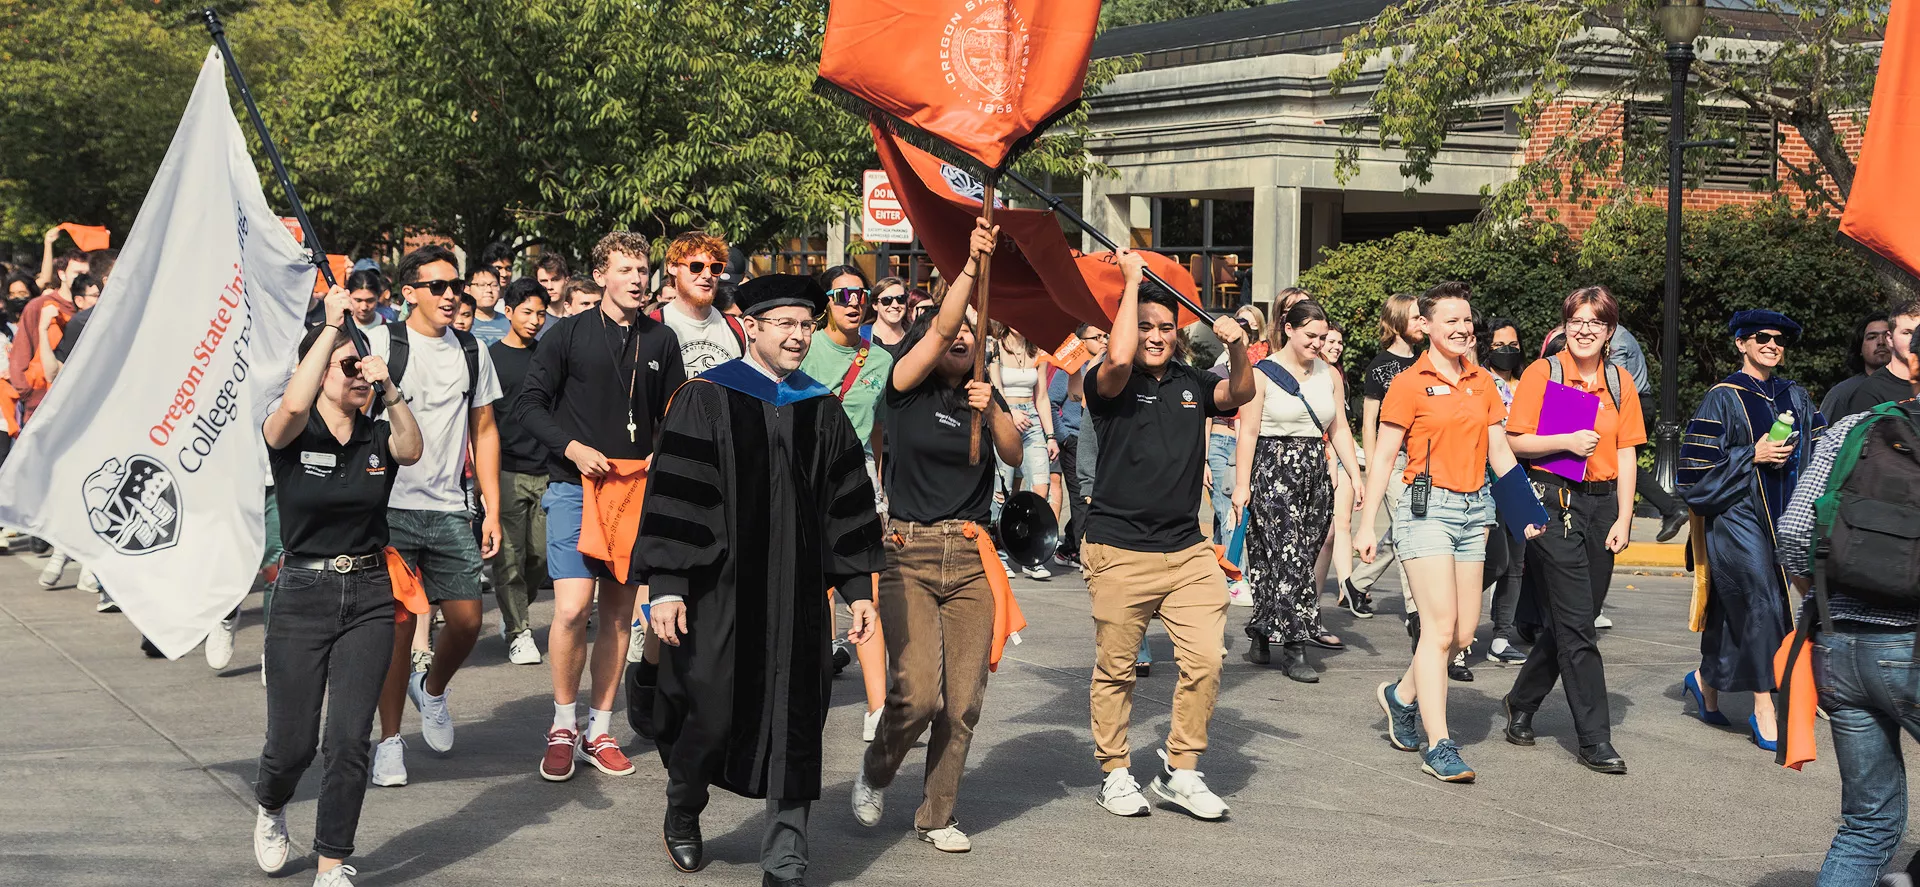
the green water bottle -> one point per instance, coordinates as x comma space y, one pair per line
1782, 427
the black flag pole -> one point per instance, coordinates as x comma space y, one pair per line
1057, 205
317, 252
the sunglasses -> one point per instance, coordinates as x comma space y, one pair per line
439, 287
847, 296
891, 300
349, 367
1765, 338
718, 268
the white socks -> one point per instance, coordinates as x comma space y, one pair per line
563, 717
599, 722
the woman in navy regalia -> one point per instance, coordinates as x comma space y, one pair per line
1738, 481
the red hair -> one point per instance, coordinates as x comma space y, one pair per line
1605, 308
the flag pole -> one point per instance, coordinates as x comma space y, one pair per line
1055, 204
984, 329
318, 253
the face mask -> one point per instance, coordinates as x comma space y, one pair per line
1506, 360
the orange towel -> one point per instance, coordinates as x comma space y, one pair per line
408, 593
1229, 567
611, 514
1008, 621
87, 237
1799, 700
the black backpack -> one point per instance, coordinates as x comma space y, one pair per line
399, 349
1866, 541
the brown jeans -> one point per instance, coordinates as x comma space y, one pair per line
938, 610
1189, 592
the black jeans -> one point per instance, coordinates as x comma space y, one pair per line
1568, 569
1643, 480
327, 632
1502, 570
1069, 471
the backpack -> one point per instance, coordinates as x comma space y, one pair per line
1556, 374
399, 349
733, 323
1866, 533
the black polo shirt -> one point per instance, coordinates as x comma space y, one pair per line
1153, 450
333, 495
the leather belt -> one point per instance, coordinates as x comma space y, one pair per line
340, 563
1583, 487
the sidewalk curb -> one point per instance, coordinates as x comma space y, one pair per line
1672, 555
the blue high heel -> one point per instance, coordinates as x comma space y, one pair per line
1753, 724
1692, 685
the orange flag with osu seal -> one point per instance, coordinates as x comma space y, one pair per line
1883, 209
984, 76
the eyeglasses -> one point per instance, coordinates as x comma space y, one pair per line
1586, 326
1767, 338
439, 287
349, 367
718, 268
476, 285
787, 326
846, 296
1244, 323
1096, 337
891, 300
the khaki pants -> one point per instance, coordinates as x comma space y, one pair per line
520, 568
1189, 592
938, 609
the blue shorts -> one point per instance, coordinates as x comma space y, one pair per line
565, 505
1455, 526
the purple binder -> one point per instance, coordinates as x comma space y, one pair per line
1563, 410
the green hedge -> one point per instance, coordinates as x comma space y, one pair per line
1766, 256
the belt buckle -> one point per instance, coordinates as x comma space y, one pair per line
343, 564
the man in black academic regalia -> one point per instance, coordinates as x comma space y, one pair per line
757, 503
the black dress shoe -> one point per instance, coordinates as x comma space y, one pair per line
1457, 669
768, 880
1519, 723
682, 836
1602, 758
1294, 664
1670, 526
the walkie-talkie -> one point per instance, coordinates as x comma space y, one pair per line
1421, 486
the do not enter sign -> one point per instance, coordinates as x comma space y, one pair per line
883, 218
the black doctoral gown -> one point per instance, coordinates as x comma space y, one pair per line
757, 503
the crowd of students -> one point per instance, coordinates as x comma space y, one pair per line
559, 430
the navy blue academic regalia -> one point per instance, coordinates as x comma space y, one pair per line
1747, 612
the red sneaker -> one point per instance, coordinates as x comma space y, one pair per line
603, 752
557, 766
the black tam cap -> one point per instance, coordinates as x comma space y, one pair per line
779, 291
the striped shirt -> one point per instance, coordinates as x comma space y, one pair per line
1797, 525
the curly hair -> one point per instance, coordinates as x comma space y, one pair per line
624, 243
693, 243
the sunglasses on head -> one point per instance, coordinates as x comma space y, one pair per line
718, 268
891, 300
439, 287
1767, 338
846, 296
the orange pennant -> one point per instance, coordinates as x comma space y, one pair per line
611, 514
87, 237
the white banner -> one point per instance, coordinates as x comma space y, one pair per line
145, 461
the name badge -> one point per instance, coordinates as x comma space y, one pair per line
319, 460
1439, 390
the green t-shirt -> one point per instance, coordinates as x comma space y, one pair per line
827, 363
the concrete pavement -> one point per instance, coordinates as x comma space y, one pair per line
123, 770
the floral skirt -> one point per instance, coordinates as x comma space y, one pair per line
1291, 501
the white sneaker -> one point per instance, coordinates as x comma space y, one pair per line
390, 762
870, 725
338, 876
105, 604
1186, 790
948, 840
1121, 795
1037, 574
1004, 565
868, 802
88, 582
436, 720
522, 650
1601, 621
637, 641
270, 842
56, 564
219, 648
1239, 593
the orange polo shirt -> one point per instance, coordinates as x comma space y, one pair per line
1448, 420
1622, 427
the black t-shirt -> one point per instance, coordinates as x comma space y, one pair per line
928, 478
1881, 387
333, 495
70, 335
1378, 376
1153, 449
520, 453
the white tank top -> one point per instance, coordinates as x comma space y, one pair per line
1017, 383
1283, 415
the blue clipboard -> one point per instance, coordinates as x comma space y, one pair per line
1518, 507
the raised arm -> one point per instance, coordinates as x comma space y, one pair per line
286, 421
916, 365
1238, 387
1111, 378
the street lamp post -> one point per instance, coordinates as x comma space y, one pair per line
1680, 23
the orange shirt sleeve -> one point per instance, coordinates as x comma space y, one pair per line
1402, 400
1524, 417
1632, 431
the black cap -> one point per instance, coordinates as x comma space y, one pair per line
779, 291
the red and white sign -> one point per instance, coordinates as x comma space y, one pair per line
882, 217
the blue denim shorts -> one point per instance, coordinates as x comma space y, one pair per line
441, 546
565, 505
1455, 525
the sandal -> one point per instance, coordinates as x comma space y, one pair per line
1327, 640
